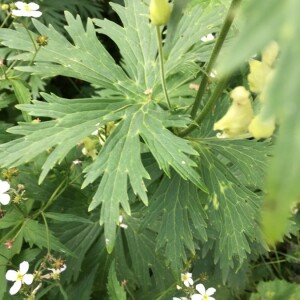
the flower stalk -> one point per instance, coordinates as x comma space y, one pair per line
216, 50
162, 69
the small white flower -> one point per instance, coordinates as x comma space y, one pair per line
204, 294
26, 10
19, 277
56, 272
4, 197
76, 162
121, 224
187, 279
213, 74
207, 38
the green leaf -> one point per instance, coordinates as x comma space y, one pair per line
86, 59
177, 203
136, 259
115, 290
63, 217
23, 95
120, 158
276, 290
250, 160
73, 123
233, 211
136, 41
37, 234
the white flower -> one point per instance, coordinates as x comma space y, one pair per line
56, 272
121, 224
207, 38
19, 277
4, 187
26, 10
204, 294
187, 279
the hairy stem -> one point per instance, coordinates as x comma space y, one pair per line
216, 50
161, 63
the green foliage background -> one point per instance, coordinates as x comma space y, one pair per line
192, 203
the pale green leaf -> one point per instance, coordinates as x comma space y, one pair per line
63, 217
120, 160
75, 119
22, 94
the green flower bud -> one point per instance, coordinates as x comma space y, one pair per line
160, 12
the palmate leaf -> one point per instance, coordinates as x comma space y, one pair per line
136, 41
120, 160
233, 210
177, 204
74, 120
136, 259
86, 59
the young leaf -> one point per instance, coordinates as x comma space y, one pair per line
115, 290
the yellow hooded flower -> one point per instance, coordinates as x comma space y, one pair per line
270, 54
262, 128
239, 115
257, 77
160, 12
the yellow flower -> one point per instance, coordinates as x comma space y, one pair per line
239, 115
257, 77
270, 54
262, 128
160, 12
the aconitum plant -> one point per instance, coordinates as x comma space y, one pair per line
149, 149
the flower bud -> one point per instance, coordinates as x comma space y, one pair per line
160, 12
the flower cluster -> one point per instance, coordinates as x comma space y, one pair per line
239, 119
21, 276
202, 293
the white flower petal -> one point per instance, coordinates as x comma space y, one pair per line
200, 288
24, 267
11, 275
33, 6
36, 14
210, 291
196, 297
63, 268
4, 199
15, 288
4, 186
191, 281
28, 279
20, 5
211, 298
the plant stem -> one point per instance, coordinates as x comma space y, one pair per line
207, 108
216, 50
161, 62
47, 232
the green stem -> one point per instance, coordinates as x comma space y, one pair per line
216, 50
207, 108
5, 20
162, 70
47, 232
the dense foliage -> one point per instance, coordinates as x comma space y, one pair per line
142, 161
